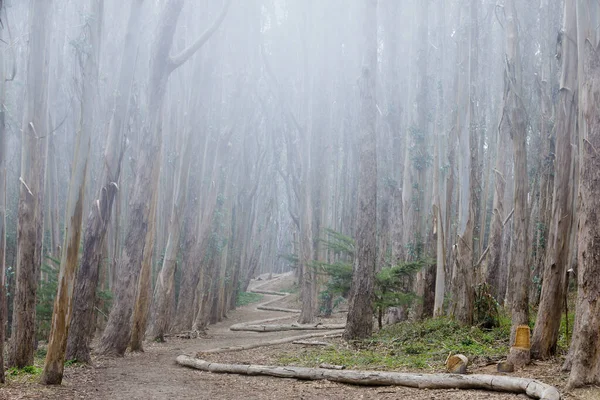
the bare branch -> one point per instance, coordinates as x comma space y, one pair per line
179, 59
26, 187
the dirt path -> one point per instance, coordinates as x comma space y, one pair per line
154, 374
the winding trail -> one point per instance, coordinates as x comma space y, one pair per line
155, 375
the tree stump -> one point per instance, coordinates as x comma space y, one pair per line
520, 352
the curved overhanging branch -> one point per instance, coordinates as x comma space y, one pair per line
177, 60
532, 388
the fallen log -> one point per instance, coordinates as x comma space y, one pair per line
266, 306
270, 292
331, 366
329, 334
280, 309
533, 388
285, 327
311, 343
258, 322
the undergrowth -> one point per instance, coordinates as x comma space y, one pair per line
27, 374
245, 298
411, 345
292, 289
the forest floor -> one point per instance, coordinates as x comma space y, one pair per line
153, 374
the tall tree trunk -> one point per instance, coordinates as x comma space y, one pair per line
53, 203
438, 195
61, 316
117, 334
492, 266
426, 275
463, 294
82, 321
360, 312
585, 369
144, 288
165, 280
31, 195
545, 334
514, 116
3, 133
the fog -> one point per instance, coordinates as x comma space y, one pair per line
167, 152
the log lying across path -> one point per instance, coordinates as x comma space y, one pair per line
280, 309
328, 334
530, 387
267, 305
271, 292
285, 327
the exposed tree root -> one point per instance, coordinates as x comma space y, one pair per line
530, 387
328, 334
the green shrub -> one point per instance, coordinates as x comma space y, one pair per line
245, 298
410, 345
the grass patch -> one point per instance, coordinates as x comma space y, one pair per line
27, 374
70, 363
245, 298
292, 289
27, 370
410, 345
40, 353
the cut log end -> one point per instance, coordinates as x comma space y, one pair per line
457, 364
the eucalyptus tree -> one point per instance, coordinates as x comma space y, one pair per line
31, 192
585, 368
360, 312
514, 117
545, 334
117, 334
463, 276
3, 194
61, 316
82, 320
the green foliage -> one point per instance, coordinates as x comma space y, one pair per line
69, 363
486, 308
245, 298
41, 353
217, 240
26, 370
292, 289
338, 243
104, 298
422, 345
46, 293
414, 249
420, 159
392, 283
564, 340
340, 278
292, 259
